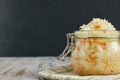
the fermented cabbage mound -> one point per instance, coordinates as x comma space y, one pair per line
97, 50
98, 24
97, 28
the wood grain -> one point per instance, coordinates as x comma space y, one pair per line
26, 68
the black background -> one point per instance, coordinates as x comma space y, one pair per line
38, 27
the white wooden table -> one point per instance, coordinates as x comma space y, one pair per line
26, 68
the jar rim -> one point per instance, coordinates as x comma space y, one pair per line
110, 34
99, 30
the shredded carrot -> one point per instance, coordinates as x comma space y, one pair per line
111, 71
104, 44
91, 57
97, 27
78, 48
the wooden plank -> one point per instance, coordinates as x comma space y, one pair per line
26, 68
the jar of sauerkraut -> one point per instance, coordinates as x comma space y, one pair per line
94, 52
95, 48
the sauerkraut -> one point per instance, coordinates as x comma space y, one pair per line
97, 49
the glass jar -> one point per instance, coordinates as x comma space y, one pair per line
94, 52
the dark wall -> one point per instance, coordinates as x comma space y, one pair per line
38, 27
